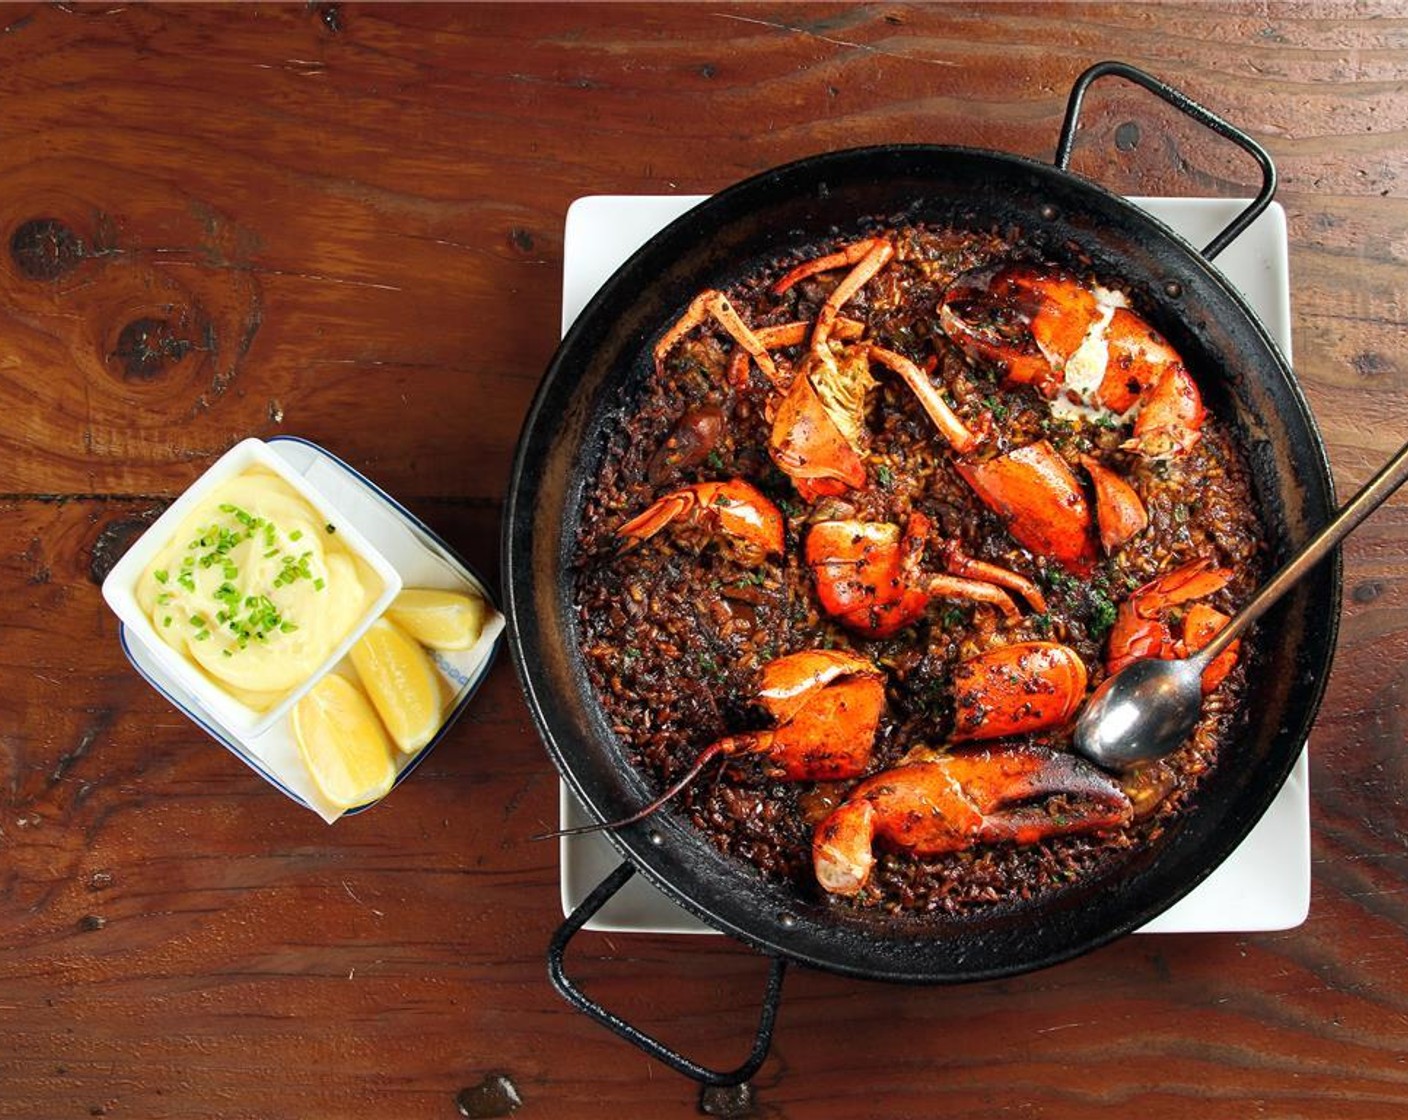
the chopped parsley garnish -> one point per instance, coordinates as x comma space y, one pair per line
1102, 615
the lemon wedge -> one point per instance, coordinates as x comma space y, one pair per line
439, 619
343, 743
401, 681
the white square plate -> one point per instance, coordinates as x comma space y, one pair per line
1265, 883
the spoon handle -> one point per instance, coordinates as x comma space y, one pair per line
1380, 487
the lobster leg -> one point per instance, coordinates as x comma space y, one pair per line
714, 303
956, 587
961, 564
874, 260
842, 258
959, 436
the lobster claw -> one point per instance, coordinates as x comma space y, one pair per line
791, 682
1025, 320
734, 512
826, 705
1040, 500
1017, 689
1138, 356
1118, 510
868, 576
1143, 629
1076, 344
1170, 416
866, 573
1200, 626
934, 803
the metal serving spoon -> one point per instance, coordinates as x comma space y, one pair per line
1148, 709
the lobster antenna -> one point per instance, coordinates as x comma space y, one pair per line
705, 757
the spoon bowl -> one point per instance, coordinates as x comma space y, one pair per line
1133, 716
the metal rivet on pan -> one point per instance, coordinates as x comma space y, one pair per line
787, 921
1174, 289
654, 837
1048, 213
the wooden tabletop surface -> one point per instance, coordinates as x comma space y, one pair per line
345, 222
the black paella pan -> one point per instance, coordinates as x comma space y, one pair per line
597, 372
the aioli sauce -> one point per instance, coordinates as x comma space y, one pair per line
255, 588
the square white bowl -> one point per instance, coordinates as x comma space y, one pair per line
120, 587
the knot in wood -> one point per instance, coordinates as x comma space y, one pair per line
45, 248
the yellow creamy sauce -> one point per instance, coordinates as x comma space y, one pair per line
256, 588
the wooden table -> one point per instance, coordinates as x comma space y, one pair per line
346, 222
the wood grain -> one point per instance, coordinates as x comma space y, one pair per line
345, 221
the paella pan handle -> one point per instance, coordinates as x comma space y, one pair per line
634, 1035
1190, 108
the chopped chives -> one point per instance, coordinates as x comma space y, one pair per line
241, 617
